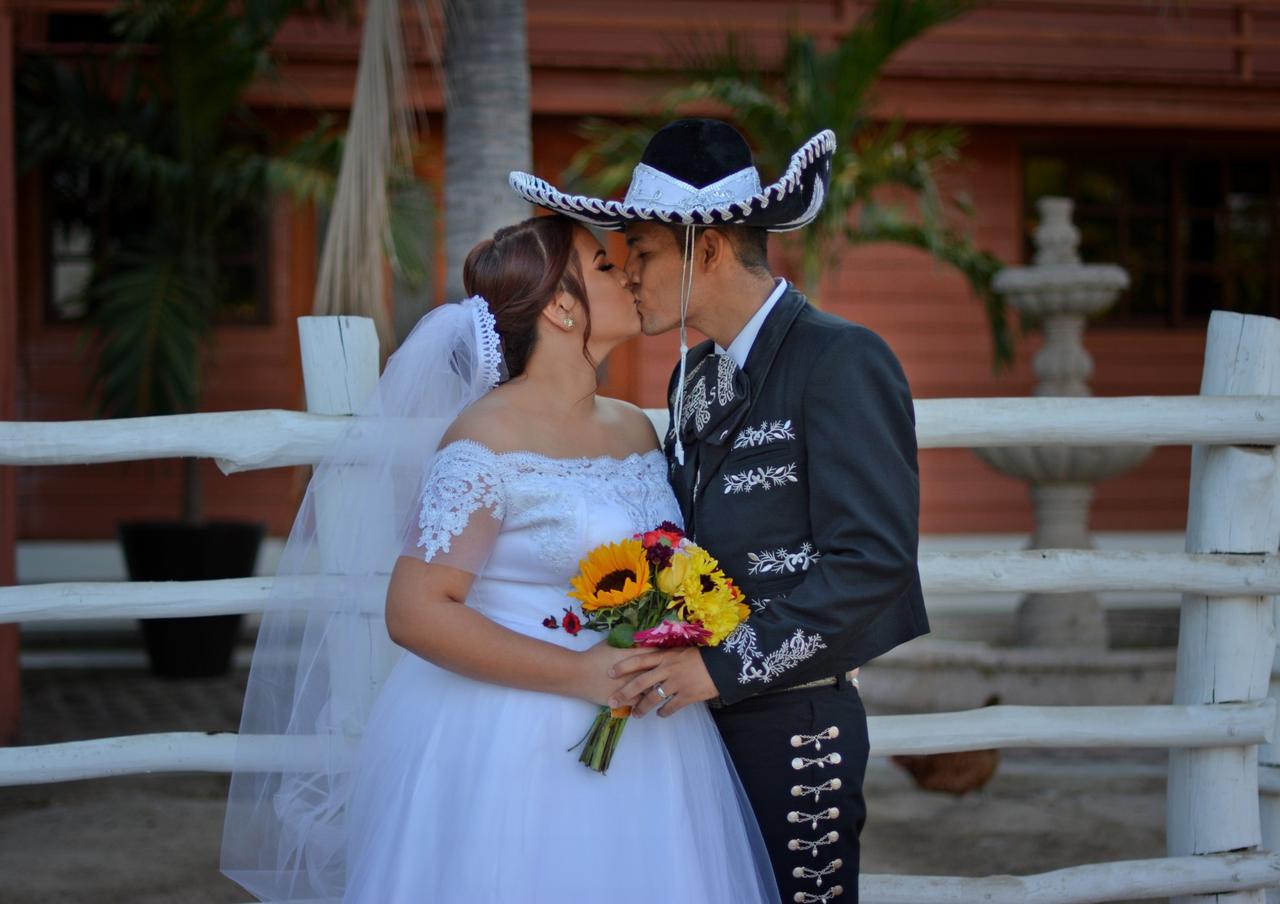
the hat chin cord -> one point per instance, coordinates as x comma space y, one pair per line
686, 289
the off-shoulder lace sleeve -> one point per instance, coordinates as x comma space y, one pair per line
461, 507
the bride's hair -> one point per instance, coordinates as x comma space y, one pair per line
518, 272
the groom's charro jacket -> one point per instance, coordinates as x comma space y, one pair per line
807, 493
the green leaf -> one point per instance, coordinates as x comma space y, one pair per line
622, 636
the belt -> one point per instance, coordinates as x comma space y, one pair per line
831, 681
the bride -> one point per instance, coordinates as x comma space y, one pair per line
483, 468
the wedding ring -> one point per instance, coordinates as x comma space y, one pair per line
660, 691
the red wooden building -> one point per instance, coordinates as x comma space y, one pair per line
1162, 120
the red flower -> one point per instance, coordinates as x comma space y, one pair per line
659, 555
665, 534
571, 622
550, 622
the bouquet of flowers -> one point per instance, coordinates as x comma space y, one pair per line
656, 589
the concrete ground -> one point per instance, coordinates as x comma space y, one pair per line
154, 839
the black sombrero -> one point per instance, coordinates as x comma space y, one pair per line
699, 172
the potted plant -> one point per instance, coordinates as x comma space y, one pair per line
171, 158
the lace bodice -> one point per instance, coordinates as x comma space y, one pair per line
522, 516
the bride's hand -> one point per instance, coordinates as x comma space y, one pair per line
594, 683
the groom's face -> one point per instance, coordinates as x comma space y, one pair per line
653, 267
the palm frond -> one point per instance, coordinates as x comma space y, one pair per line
151, 322
412, 217
886, 28
814, 89
604, 164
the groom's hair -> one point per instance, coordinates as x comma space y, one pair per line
750, 244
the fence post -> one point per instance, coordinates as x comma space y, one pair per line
1269, 775
340, 371
1226, 644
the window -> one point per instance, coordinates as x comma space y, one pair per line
70, 245
84, 226
1196, 230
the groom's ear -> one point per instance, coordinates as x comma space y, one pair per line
713, 249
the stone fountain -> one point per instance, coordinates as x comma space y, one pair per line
1058, 292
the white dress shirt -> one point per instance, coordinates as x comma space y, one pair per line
740, 347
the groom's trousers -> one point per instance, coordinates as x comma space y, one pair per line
802, 757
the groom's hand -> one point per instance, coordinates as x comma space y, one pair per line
680, 673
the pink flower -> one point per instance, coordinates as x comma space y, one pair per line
672, 634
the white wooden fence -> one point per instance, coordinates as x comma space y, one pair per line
1220, 728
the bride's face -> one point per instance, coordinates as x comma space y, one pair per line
614, 318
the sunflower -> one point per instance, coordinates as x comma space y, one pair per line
612, 575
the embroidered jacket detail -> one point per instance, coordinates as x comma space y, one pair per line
697, 406
758, 604
811, 847
758, 667
831, 784
813, 818
825, 897
768, 432
699, 397
765, 477
725, 369
780, 561
804, 872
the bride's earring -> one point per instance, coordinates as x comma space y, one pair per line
568, 323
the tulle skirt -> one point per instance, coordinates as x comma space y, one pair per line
466, 792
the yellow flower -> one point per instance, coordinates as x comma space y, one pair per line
671, 577
708, 597
612, 575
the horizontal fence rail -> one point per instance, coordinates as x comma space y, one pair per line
1036, 571
1214, 725
251, 440
1127, 421
1211, 725
1091, 884
237, 440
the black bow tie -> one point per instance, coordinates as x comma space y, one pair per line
716, 397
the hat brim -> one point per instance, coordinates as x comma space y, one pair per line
790, 203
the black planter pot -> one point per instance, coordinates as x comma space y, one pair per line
170, 551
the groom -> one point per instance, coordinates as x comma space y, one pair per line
792, 452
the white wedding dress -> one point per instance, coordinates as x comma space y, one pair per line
466, 791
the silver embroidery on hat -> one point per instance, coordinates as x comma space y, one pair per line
653, 188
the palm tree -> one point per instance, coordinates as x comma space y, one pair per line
173, 155
486, 131
815, 90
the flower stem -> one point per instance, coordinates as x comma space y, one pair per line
602, 741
